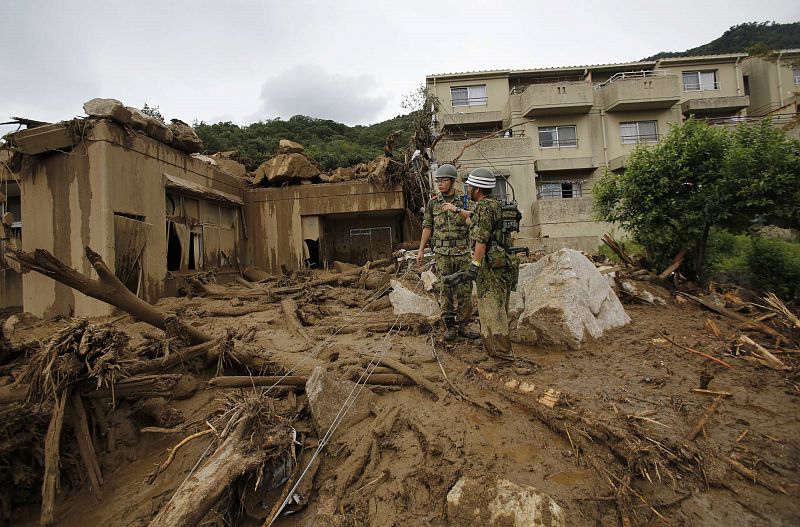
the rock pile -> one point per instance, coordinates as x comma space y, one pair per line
177, 134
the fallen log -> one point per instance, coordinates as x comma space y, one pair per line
169, 385
232, 311
437, 392
290, 310
237, 455
13, 393
85, 444
107, 288
52, 443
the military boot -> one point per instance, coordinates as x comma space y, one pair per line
451, 331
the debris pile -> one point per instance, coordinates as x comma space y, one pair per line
310, 394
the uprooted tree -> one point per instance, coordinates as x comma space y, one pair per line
699, 177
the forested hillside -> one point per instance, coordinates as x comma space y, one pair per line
332, 144
742, 37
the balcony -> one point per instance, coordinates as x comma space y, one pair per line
640, 90
557, 98
563, 164
454, 120
715, 106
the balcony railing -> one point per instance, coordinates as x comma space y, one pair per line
472, 101
516, 90
634, 75
637, 139
558, 143
460, 135
693, 86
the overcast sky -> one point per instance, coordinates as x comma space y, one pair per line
351, 61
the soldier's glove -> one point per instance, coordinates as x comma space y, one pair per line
472, 271
453, 279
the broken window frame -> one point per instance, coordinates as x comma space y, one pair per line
564, 189
211, 216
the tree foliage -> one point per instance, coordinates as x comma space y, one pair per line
332, 144
699, 177
743, 37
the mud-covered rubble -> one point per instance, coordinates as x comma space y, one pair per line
636, 428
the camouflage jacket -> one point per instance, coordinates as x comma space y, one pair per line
450, 231
487, 228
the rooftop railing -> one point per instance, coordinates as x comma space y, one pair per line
516, 90
643, 74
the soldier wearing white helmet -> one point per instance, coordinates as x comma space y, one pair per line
493, 268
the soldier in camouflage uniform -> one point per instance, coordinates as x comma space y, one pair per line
445, 225
493, 268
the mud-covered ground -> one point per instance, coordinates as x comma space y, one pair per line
612, 451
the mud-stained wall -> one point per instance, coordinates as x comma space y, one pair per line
69, 200
274, 216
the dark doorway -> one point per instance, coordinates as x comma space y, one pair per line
174, 249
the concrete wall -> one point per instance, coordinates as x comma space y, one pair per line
496, 93
274, 216
771, 83
74, 197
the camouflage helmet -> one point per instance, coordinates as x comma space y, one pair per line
481, 178
446, 171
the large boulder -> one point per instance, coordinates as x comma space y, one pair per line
149, 126
327, 394
284, 167
405, 301
184, 137
228, 163
108, 109
339, 175
289, 147
495, 502
563, 300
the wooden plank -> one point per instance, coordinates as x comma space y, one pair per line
52, 445
676, 262
758, 326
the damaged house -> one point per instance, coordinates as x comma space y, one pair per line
135, 191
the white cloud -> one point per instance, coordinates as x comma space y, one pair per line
312, 90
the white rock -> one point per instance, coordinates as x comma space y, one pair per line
494, 502
406, 301
566, 302
109, 108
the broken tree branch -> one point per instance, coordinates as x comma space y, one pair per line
437, 392
691, 350
755, 477
701, 422
758, 326
107, 288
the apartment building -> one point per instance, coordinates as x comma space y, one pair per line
559, 129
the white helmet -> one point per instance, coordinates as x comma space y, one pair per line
481, 178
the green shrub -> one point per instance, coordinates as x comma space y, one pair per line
775, 267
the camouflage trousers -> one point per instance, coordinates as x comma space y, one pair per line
454, 301
494, 290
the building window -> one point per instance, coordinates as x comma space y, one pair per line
469, 95
796, 74
700, 80
560, 190
558, 136
639, 132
